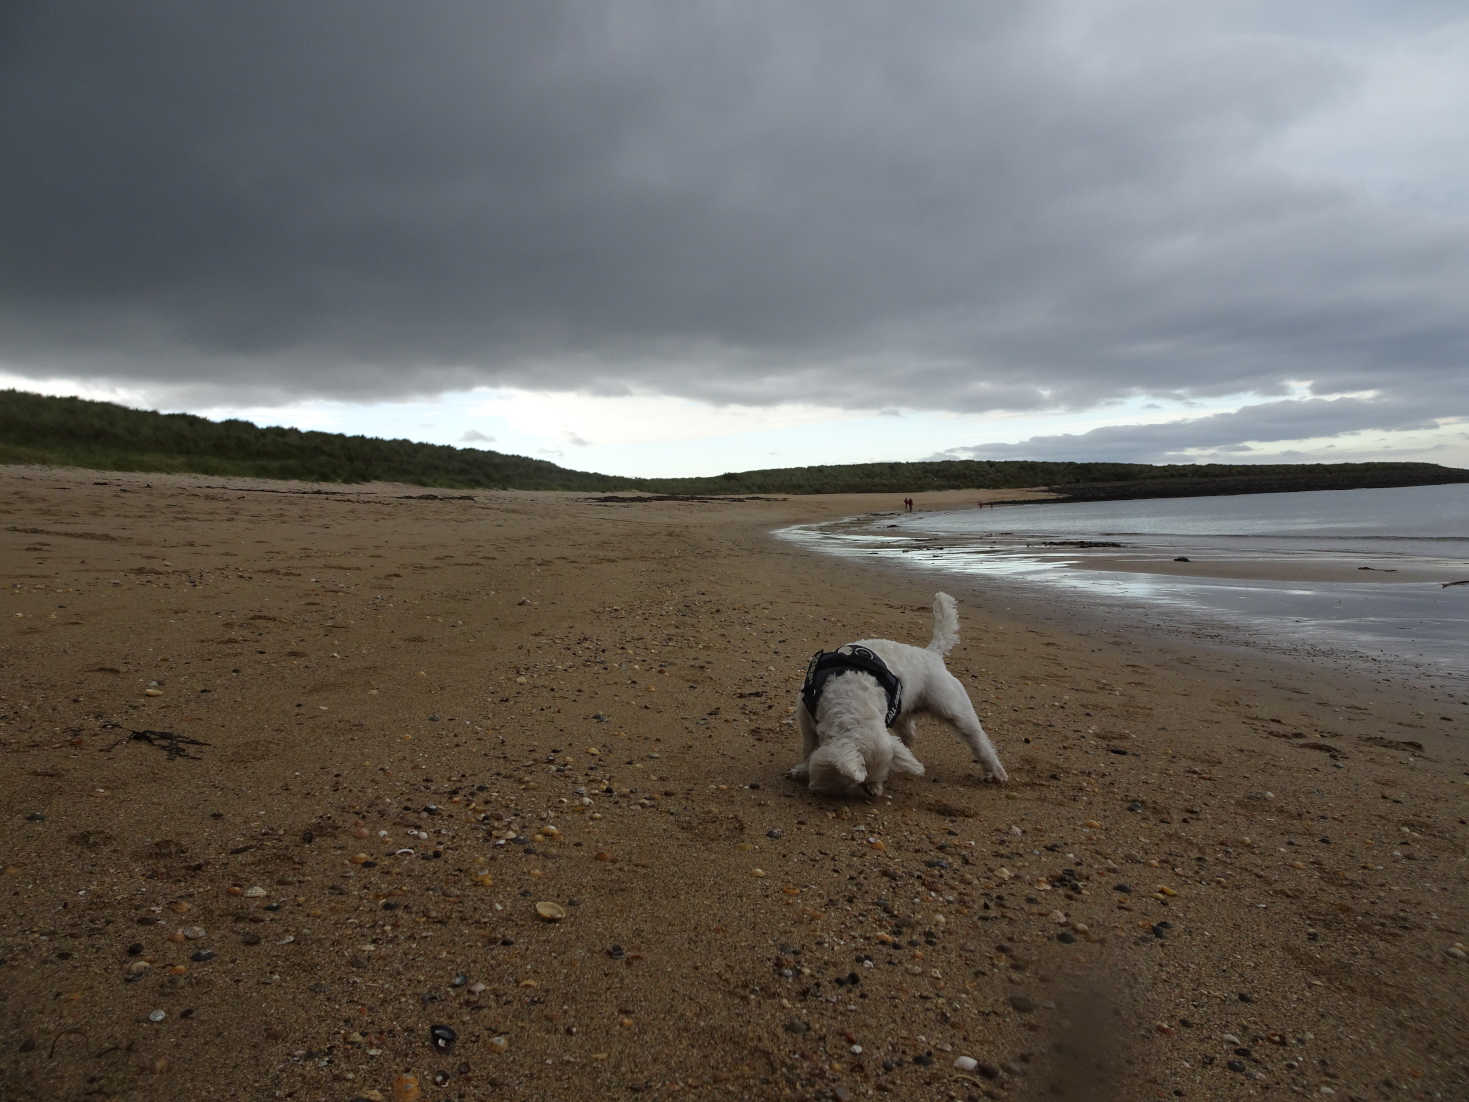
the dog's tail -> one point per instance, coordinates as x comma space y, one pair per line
945, 624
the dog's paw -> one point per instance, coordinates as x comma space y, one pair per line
995, 773
799, 772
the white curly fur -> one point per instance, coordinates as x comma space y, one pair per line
848, 748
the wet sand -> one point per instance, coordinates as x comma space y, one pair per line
286, 774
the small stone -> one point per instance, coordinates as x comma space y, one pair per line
1023, 1004
255, 891
157, 1015
442, 1037
966, 1063
797, 1026
405, 1088
499, 1043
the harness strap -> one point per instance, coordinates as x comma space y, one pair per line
826, 664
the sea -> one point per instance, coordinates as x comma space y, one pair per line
1349, 575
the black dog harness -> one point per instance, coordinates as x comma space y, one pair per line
825, 664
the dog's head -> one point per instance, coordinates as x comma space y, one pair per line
848, 766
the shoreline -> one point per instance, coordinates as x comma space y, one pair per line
382, 724
1287, 604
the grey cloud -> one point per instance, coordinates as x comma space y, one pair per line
474, 436
1223, 433
969, 207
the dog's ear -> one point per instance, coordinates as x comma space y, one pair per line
849, 762
904, 761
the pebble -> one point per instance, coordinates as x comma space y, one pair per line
442, 1037
966, 1063
500, 1043
255, 891
1023, 1004
405, 1088
157, 1015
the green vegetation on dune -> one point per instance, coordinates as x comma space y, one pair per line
104, 436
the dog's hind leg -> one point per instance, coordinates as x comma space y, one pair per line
952, 703
802, 769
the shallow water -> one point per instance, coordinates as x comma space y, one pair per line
1355, 574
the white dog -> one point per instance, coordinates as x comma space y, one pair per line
856, 696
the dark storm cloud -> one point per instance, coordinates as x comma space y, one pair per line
1265, 423
934, 206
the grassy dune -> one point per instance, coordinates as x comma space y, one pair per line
105, 436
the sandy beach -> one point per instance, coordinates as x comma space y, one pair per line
290, 774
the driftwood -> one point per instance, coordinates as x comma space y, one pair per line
1464, 582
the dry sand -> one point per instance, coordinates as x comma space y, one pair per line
286, 774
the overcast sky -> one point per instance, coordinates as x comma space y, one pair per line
667, 238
